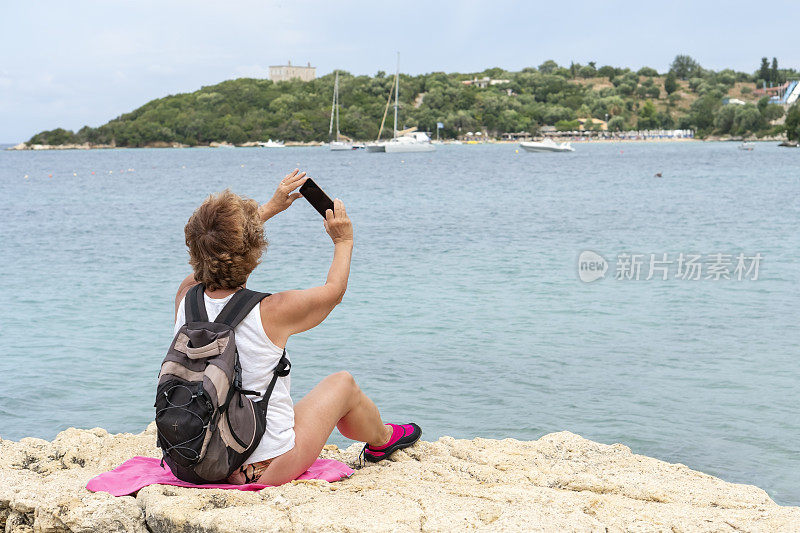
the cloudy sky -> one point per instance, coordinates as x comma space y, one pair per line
76, 62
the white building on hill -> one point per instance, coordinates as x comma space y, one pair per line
290, 72
484, 82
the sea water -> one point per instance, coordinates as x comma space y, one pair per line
465, 311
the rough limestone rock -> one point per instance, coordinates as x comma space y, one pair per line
560, 482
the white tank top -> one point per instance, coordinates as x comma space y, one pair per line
258, 357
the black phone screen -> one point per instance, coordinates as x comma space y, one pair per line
316, 197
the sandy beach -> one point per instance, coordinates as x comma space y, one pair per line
559, 482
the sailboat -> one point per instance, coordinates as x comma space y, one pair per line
337, 145
408, 140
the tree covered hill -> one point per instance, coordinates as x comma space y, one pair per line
246, 109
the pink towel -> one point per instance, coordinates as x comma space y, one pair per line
139, 472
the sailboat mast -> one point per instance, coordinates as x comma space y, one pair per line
385, 112
333, 106
396, 92
336, 92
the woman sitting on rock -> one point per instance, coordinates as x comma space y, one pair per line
225, 236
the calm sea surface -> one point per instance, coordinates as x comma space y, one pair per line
464, 312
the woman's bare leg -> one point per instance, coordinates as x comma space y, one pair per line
335, 402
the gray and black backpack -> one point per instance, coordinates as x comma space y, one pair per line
207, 427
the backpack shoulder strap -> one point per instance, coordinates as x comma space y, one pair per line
239, 306
195, 305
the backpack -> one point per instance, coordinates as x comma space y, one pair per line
206, 425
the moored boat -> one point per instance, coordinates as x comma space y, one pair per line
412, 142
547, 145
405, 141
341, 146
337, 145
271, 144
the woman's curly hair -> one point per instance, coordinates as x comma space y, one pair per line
225, 237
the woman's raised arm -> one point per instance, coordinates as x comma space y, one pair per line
284, 195
290, 312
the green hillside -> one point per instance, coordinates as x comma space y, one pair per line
242, 110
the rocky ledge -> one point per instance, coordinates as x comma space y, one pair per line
561, 482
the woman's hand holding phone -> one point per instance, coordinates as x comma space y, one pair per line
338, 224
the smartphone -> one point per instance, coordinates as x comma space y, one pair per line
316, 196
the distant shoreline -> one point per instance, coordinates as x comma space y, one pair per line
88, 146
40, 147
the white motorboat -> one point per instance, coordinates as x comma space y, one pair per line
337, 145
547, 145
748, 146
271, 144
405, 141
341, 146
412, 142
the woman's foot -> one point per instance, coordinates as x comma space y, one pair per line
403, 436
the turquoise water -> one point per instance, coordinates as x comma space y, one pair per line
464, 313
